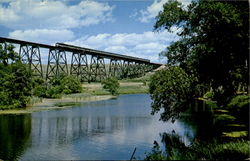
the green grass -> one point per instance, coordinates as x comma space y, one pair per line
62, 104
234, 150
231, 150
133, 89
99, 92
126, 87
146, 78
122, 90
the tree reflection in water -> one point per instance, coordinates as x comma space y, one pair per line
14, 133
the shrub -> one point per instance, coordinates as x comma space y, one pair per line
63, 85
54, 92
111, 85
71, 84
38, 87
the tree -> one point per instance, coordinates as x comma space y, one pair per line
111, 84
15, 80
7, 53
170, 89
213, 43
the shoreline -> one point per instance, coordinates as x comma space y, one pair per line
67, 101
92, 92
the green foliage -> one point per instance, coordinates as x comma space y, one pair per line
111, 85
170, 89
235, 150
177, 150
7, 54
209, 95
156, 153
213, 43
236, 134
38, 87
239, 102
15, 80
71, 84
54, 92
63, 85
239, 107
224, 118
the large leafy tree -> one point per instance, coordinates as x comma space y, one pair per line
213, 43
171, 90
15, 80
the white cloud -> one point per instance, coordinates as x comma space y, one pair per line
34, 14
43, 35
152, 11
145, 45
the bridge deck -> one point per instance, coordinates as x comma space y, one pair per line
71, 48
101, 53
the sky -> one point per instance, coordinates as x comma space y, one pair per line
118, 26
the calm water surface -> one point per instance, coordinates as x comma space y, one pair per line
109, 129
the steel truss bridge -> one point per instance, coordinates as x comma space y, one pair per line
87, 64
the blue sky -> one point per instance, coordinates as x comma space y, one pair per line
119, 26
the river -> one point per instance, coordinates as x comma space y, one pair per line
107, 130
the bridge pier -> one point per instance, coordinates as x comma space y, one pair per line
114, 66
36, 62
79, 66
124, 69
31, 55
57, 63
97, 68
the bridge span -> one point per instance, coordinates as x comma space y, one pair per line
87, 64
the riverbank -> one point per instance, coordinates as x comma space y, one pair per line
126, 87
91, 92
66, 101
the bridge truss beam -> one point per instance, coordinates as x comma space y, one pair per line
120, 66
31, 55
57, 63
79, 66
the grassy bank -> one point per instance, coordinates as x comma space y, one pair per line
126, 87
66, 101
91, 92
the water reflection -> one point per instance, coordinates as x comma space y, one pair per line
14, 135
108, 130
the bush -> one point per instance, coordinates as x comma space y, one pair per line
54, 92
71, 84
38, 87
63, 85
111, 85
